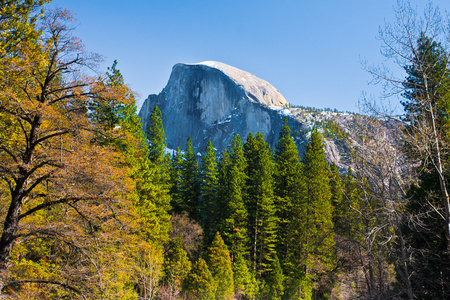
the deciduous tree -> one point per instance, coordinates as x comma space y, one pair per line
65, 187
18, 24
419, 45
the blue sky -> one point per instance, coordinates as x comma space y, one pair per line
309, 50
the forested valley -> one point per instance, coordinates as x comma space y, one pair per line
93, 206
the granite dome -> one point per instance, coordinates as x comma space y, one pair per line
213, 101
258, 89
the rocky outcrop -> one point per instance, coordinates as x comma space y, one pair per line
212, 100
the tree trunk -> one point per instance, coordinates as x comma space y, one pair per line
18, 195
7, 240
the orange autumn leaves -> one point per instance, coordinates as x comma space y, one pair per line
67, 191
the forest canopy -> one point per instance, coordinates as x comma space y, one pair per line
93, 206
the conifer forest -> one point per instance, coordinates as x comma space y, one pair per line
94, 207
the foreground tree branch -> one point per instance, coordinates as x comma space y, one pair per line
51, 282
420, 47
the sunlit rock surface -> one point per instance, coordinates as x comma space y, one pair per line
212, 100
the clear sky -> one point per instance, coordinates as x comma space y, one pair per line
309, 50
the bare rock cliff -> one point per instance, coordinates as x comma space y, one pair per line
212, 100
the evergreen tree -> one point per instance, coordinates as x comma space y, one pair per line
108, 114
336, 188
200, 282
290, 189
426, 239
232, 212
224, 193
348, 214
219, 263
244, 280
260, 203
190, 182
345, 220
414, 46
426, 85
275, 281
176, 265
318, 246
427, 107
157, 138
158, 160
175, 181
150, 194
209, 173
153, 197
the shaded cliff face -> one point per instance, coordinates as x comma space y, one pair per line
213, 101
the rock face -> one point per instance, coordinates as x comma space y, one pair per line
212, 100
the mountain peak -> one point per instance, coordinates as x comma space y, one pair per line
257, 89
213, 101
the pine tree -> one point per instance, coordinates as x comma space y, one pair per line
347, 214
318, 244
108, 114
290, 189
427, 107
209, 173
427, 241
244, 280
232, 212
200, 282
415, 47
426, 85
151, 193
260, 203
156, 137
275, 281
152, 190
157, 147
158, 163
175, 182
190, 182
176, 265
336, 188
219, 263
344, 216
291, 192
